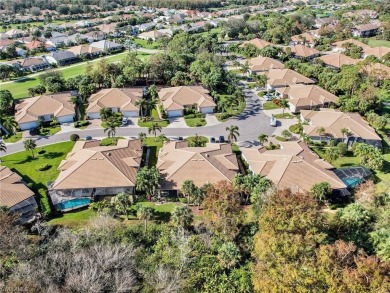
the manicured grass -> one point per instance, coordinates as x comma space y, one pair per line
155, 146
280, 138
13, 138
19, 89
270, 106
195, 122
74, 219
144, 44
234, 111
347, 161
24, 164
49, 130
162, 123
373, 42
285, 116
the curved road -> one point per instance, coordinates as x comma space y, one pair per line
251, 122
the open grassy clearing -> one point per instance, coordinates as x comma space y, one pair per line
19, 88
373, 42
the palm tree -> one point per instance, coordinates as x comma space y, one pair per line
142, 136
244, 68
30, 145
150, 105
188, 188
182, 217
163, 138
232, 133
321, 132
148, 180
110, 129
284, 104
10, 124
154, 128
332, 153
145, 213
123, 203
105, 113
54, 121
3, 147
263, 138
231, 100
344, 132
142, 104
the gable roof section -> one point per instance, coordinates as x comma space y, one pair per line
177, 162
264, 64
293, 166
92, 166
83, 49
31, 109
259, 43
12, 189
338, 60
378, 52
286, 77
339, 44
175, 98
334, 120
123, 99
307, 37
307, 95
303, 51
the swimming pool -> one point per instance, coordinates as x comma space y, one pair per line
352, 182
73, 203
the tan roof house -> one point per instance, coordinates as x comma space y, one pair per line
16, 196
285, 77
85, 50
178, 162
305, 39
154, 35
259, 43
337, 60
92, 170
333, 121
338, 46
303, 52
378, 52
292, 166
306, 97
365, 30
176, 99
30, 111
377, 69
118, 100
261, 64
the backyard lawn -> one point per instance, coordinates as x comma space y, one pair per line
74, 219
13, 138
144, 44
19, 89
24, 164
373, 42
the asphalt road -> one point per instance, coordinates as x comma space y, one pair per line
251, 122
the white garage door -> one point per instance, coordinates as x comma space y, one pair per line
128, 114
207, 110
175, 113
95, 115
28, 125
65, 119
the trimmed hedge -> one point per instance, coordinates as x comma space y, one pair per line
74, 137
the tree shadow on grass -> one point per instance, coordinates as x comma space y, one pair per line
25, 80
52, 155
28, 159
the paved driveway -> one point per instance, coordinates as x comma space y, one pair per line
211, 120
177, 122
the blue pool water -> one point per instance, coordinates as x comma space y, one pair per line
73, 204
352, 182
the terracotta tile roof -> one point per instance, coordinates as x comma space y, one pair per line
303, 51
31, 109
264, 64
307, 95
381, 70
259, 43
307, 37
124, 99
367, 27
12, 189
334, 120
31, 61
175, 98
93, 166
83, 49
338, 60
353, 41
286, 77
378, 52
177, 162
293, 166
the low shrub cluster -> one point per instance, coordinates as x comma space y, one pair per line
74, 137
82, 123
43, 167
108, 141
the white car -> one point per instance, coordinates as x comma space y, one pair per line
124, 121
273, 121
268, 97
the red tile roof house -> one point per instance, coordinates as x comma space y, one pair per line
175, 99
29, 111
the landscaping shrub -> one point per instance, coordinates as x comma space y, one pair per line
43, 167
74, 137
44, 203
30, 185
108, 141
342, 148
296, 128
42, 151
183, 199
190, 116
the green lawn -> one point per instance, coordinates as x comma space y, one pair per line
155, 146
285, 116
144, 44
195, 122
347, 161
13, 138
32, 24
19, 89
373, 42
162, 123
49, 130
24, 164
231, 112
73, 219
270, 106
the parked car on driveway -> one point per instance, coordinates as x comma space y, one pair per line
212, 140
124, 121
268, 97
221, 139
